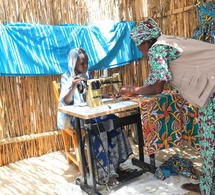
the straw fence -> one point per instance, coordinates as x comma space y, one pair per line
28, 124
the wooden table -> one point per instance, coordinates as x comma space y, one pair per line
82, 111
108, 107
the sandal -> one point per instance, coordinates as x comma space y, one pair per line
191, 187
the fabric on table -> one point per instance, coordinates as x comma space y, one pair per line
167, 121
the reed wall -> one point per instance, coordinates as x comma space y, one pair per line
28, 124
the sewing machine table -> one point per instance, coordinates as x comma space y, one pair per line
82, 111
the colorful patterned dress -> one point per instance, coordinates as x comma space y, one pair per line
159, 56
205, 31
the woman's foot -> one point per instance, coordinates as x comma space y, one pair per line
113, 181
191, 187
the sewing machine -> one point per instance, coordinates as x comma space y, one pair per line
93, 96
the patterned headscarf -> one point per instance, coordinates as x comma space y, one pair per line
146, 30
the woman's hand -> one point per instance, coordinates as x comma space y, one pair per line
76, 80
111, 95
154, 89
68, 98
126, 90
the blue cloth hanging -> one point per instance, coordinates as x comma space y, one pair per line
36, 49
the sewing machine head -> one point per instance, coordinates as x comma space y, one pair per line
94, 86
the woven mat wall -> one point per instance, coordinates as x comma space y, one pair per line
27, 106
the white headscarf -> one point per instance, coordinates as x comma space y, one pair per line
64, 120
72, 59
66, 79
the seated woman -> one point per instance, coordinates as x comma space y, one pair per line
116, 147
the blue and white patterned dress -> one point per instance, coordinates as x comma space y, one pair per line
115, 142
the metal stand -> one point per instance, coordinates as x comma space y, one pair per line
107, 126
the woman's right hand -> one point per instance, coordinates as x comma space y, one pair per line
69, 96
76, 80
126, 90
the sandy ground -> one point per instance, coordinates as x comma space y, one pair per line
50, 174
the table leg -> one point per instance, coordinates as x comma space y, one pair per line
90, 159
140, 137
81, 149
140, 162
83, 184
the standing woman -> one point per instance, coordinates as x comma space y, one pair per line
115, 142
189, 66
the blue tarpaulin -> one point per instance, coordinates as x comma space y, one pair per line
36, 49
